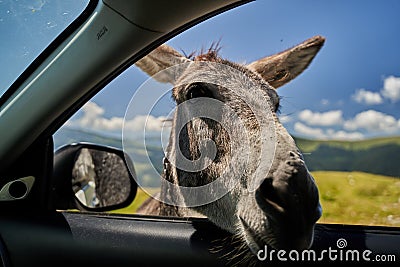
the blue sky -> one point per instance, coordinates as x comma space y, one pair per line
350, 91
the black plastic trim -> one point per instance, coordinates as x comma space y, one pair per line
94, 239
183, 241
4, 255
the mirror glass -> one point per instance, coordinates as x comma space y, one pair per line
100, 178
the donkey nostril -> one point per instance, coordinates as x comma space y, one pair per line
292, 154
270, 195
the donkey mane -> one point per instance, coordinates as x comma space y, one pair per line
210, 54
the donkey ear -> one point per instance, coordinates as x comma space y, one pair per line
281, 68
160, 59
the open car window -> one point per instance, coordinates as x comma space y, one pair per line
343, 111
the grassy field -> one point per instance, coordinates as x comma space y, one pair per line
307, 145
359, 198
346, 197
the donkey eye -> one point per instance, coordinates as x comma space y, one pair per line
197, 90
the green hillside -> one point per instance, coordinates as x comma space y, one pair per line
378, 156
308, 145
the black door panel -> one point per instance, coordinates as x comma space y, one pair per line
83, 239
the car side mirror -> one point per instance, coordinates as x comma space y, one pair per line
93, 177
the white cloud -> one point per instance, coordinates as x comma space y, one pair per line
367, 97
343, 135
328, 118
285, 118
373, 121
139, 122
314, 124
391, 88
323, 134
93, 119
91, 109
325, 102
317, 133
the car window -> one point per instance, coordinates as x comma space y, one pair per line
27, 28
343, 111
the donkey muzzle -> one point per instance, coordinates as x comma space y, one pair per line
290, 200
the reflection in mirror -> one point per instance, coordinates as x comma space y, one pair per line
100, 178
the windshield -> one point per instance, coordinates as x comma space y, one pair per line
27, 27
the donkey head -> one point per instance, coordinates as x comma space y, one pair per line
226, 126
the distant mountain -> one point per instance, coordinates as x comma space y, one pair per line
378, 155
147, 162
72, 135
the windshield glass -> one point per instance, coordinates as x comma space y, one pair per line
27, 27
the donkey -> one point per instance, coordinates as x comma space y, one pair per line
279, 208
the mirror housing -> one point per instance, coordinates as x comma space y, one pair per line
91, 177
